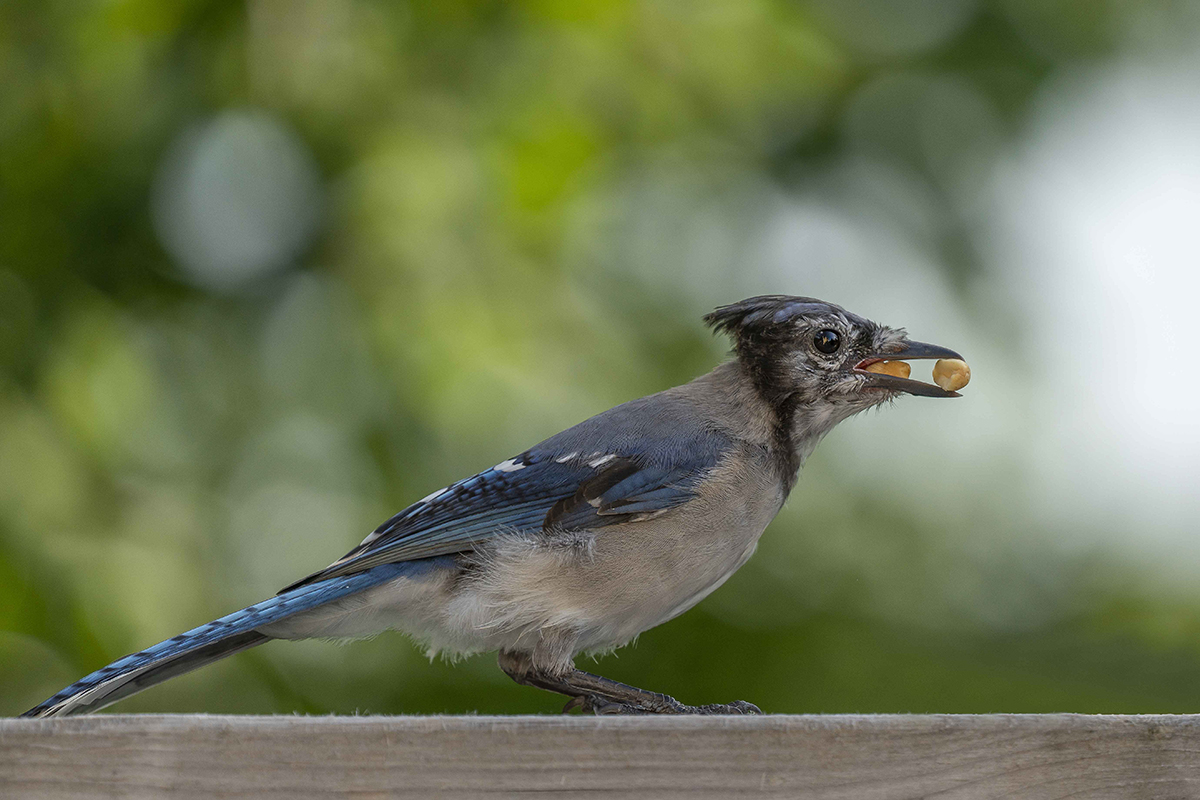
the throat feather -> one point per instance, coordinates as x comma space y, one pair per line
768, 375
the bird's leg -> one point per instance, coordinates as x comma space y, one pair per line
601, 695
605, 696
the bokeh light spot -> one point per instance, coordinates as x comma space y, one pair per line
236, 199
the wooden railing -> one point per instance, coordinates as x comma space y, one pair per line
1031, 757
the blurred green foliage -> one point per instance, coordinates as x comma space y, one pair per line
491, 205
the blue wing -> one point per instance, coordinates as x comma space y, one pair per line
537, 490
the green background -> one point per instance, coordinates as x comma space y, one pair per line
483, 223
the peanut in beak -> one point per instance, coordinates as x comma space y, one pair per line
951, 374
898, 369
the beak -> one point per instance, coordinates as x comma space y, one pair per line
911, 351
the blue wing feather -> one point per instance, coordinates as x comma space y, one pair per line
539, 489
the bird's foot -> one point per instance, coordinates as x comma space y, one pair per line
736, 707
600, 706
662, 704
599, 695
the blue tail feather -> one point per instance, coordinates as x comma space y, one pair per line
203, 645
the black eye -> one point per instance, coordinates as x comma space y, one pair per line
827, 341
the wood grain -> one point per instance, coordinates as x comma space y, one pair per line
1033, 757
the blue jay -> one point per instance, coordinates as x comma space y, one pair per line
582, 542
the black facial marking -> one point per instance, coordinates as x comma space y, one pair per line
764, 333
769, 333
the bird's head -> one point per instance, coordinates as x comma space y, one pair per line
811, 357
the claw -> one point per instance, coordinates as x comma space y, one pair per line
595, 704
736, 707
606, 709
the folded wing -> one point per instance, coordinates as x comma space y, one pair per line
537, 490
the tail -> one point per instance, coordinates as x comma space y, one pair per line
204, 645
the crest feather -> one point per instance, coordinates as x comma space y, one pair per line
760, 314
